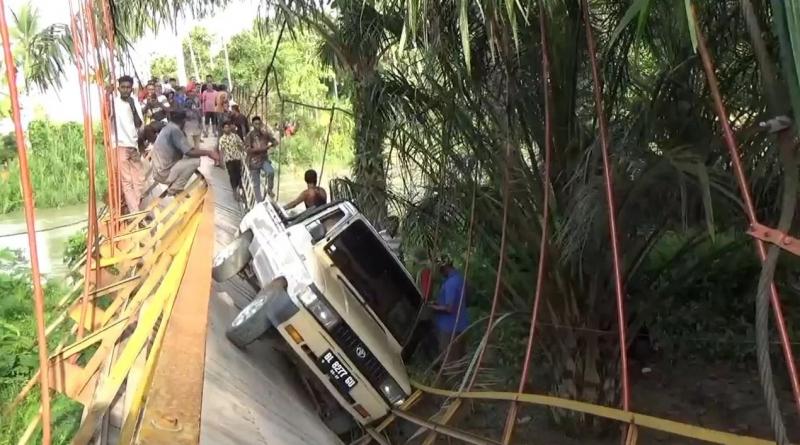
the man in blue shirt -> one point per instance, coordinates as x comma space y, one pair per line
447, 316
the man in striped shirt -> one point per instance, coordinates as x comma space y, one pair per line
232, 149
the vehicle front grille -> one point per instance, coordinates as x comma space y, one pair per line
366, 363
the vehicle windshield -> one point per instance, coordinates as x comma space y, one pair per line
378, 277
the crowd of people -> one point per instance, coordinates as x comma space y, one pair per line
166, 122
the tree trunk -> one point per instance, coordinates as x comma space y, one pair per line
585, 367
368, 166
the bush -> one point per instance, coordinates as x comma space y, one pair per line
58, 167
702, 305
18, 352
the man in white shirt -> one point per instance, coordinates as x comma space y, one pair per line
127, 119
168, 85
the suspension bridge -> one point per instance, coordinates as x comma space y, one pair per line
147, 356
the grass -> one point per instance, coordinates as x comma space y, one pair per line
18, 353
58, 167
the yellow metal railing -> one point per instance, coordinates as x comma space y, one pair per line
128, 313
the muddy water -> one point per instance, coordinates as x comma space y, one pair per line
54, 227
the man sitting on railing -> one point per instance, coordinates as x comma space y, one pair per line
174, 160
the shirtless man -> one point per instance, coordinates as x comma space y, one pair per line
312, 196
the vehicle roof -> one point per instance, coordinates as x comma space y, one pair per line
312, 212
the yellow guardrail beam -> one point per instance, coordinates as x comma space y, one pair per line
642, 420
132, 417
151, 313
174, 399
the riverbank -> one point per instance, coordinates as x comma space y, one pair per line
56, 225
58, 167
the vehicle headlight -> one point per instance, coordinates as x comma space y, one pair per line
319, 308
393, 392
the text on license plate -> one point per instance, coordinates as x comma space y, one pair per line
337, 371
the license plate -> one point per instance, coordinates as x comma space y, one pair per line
337, 372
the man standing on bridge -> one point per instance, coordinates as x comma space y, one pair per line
258, 143
127, 122
240, 121
231, 146
174, 160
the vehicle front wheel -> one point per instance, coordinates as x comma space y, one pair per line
251, 323
340, 422
232, 259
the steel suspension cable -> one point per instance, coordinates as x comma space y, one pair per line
82, 65
108, 25
79, 12
269, 68
784, 140
280, 152
508, 430
744, 190
105, 118
325, 151
597, 87
501, 261
30, 219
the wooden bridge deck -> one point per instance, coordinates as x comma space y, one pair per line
250, 396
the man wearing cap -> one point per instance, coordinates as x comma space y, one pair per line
450, 311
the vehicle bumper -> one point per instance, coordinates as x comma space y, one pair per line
314, 343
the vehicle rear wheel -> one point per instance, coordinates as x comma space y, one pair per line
251, 323
232, 259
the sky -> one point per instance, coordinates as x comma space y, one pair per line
64, 104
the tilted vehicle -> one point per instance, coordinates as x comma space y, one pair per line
337, 295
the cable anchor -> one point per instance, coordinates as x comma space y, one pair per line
776, 237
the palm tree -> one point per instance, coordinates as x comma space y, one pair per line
40, 53
672, 174
356, 36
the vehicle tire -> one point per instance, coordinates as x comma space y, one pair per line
251, 323
340, 422
232, 259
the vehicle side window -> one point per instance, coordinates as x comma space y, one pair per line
329, 221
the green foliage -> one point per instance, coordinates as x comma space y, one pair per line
301, 78
41, 53
58, 167
75, 248
18, 353
8, 148
200, 47
164, 66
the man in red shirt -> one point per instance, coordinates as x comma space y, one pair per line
191, 85
424, 277
423, 340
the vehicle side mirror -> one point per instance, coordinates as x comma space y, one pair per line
317, 231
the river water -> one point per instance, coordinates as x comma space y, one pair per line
54, 227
